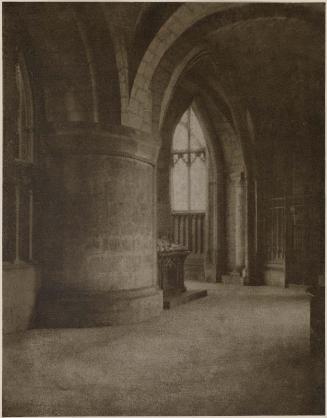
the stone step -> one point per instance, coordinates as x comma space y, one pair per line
170, 301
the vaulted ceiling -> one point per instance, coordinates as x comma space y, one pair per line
266, 58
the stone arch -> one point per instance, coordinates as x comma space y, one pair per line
227, 124
224, 151
161, 108
203, 18
212, 87
102, 61
157, 15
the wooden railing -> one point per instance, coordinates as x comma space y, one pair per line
188, 229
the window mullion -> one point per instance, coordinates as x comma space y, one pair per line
189, 160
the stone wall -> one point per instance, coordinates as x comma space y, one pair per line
20, 286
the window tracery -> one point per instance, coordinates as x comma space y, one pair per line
188, 165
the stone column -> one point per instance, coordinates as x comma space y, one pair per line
107, 272
253, 250
212, 255
240, 216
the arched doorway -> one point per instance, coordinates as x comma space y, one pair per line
224, 217
189, 191
197, 222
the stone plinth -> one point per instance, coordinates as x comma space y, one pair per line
107, 272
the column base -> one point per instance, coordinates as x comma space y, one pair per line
274, 275
76, 309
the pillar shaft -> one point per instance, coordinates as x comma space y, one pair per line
240, 223
108, 265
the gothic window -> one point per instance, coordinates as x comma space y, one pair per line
188, 166
24, 143
18, 185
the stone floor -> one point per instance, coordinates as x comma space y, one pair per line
238, 351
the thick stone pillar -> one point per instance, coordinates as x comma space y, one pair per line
107, 273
